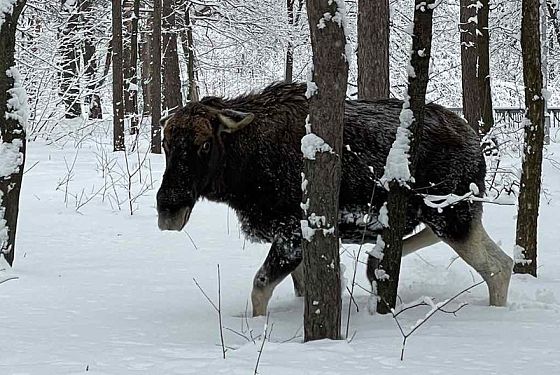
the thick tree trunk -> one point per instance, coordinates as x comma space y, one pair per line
69, 87
373, 49
118, 105
326, 115
155, 91
529, 195
172, 98
387, 274
90, 63
12, 131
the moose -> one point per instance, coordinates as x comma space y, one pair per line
246, 152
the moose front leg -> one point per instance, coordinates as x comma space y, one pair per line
283, 258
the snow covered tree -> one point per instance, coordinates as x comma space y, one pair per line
398, 173
322, 148
373, 49
13, 119
525, 254
118, 100
155, 83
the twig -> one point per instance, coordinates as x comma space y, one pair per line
262, 344
435, 308
220, 313
8, 279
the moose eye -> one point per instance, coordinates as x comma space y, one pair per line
205, 146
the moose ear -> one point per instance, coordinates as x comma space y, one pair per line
163, 121
233, 121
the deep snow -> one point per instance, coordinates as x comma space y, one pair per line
108, 293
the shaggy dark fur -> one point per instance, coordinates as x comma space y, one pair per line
257, 170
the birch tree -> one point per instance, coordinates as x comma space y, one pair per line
13, 120
322, 148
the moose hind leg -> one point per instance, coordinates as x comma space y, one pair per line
283, 258
297, 279
486, 257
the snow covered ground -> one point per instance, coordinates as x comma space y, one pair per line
104, 292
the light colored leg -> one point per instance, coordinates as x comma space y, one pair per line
486, 257
262, 291
426, 237
297, 278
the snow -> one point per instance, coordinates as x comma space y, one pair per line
311, 144
17, 104
10, 157
109, 292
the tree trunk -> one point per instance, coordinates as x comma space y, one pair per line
528, 211
475, 65
133, 68
172, 98
127, 12
188, 49
469, 63
90, 63
118, 105
69, 87
294, 15
483, 49
146, 57
326, 115
12, 130
387, 274
155, 91
373, 49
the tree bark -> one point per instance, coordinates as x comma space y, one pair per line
146, 67
483, 49
373, 49
326, 115
475, 65
293, 20
529, 195
133, 68
387, 274
69, 88
188, 49
172, 98
12, 131
469, 63
156, 79
118, 105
